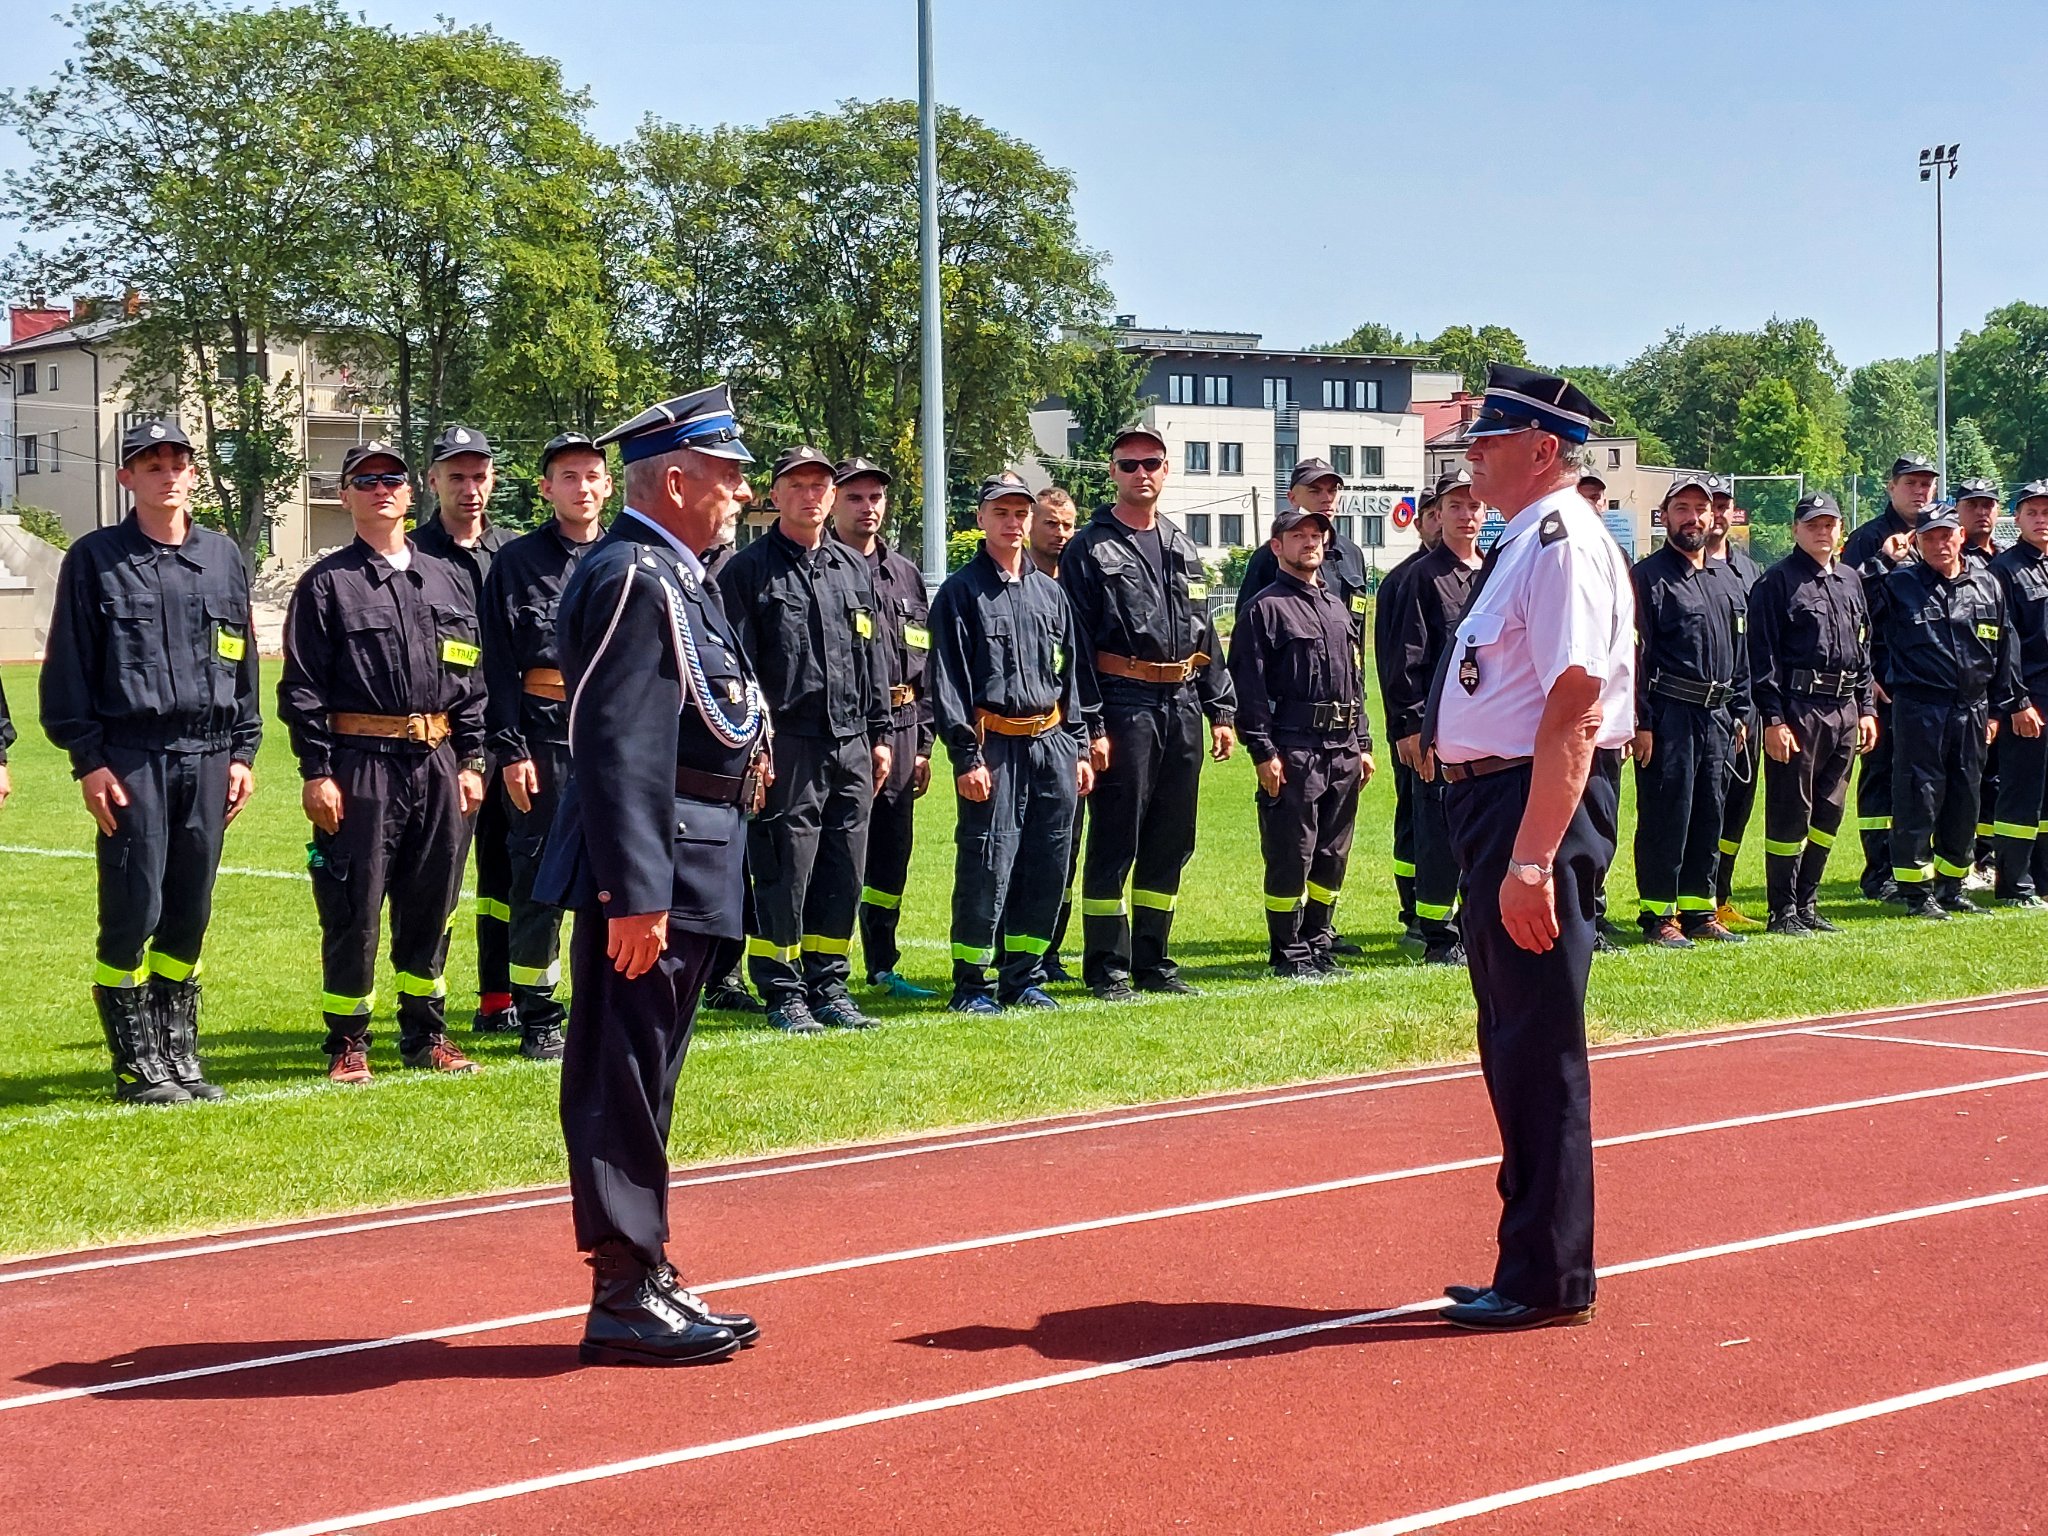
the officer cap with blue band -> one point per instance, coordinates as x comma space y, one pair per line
1523, 400
702, 421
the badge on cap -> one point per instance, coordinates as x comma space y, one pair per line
155, 430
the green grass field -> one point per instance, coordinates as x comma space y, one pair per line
80, 1169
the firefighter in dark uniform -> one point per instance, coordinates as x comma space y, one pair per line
6, 741
1431, 600
1977, 511
527, 712
150, 684
1952, 669
1873, 551
1386, 603
1300, 702
1592, 489
2020, 821
1050, 531
727, 993
1141, 600
860, 504
1006, 694
1810, 682
462, 474
1731, 561
667, 729
383, 694
805, 609
1692, 695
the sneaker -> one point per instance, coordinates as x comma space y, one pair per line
1032, 997
494, 1021
1925, 905
1790, 925
1603, 945
1810, 918
1980, 879
1323, 965
1664, 932
839, 1013
350, 1066
1347, 949
1728, 916
794, 1018
726, 997
547, 1042
1711, 932
1452, 953
2025, 899
1171, 985
979, 1004
438, 1055
1114, 992
1956, 901
1056, 970
1298, 970
896, 986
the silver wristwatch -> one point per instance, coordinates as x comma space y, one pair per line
1528, 874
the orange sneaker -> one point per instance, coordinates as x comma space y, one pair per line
1728, 917
350, 1066
439, 1055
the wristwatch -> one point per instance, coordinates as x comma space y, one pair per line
476, 765
1528, 874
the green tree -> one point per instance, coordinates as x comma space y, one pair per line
191, 155
1464, 349
1777, 434
1969, 455
1375, 340
1886, 416
1688, 387
1103, 397
1999, 378
1603, 387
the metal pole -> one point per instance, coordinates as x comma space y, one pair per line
932, 390
1940, 349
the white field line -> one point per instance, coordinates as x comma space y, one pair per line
1034, 1384
1001, 1240
1940, 1045
1028, 1130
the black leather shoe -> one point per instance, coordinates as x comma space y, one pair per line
1172, 985
1956, 901
1452, 953
839, 1013
636, 1320
1926, 906
738, 1324
1462, 1295
1789, 925
725, 997
1031, 997
794, 1018
1811, 919
1492, 1312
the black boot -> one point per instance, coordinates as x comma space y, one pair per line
540, 1022
636, 1320
176, 1007
141, 1074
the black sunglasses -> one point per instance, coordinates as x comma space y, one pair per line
1132, 466
373, 482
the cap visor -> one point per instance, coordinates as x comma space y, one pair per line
1498, 428
736, 451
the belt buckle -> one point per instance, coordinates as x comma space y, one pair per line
418, 728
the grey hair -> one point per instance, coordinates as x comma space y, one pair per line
644, 476
1576, 457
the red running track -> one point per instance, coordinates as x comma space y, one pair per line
1819, 1311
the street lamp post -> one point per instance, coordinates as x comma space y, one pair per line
1938, 165
932, 389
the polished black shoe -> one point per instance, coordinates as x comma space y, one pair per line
543, 1042
635, 1319
1885, 891
1114, 992
1171, 985
1461, 1295
738, 1324
839, 1013
494, 1021
1492, 1312
729, 997
1299, 970
794, 1018
1664, 932
1452, 953
1814, 922
1789, 925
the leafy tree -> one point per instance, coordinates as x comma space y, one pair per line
1103, 397
191, 155
1373, 339
1999, 378
1688, 387
1886, 416
1464, 349
1777, 434
1969, 455
1603, 387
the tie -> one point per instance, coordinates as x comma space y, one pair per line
1431, 709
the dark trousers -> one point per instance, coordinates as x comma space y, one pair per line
1436, 867
157, 869
1738, 799
1874, 804
493, 888
534, 935
891, 827
1305, 835
1141, 828
1678, 809
805, 852
1405, 782
626, 1045
403, 835
1059, 925
1010, 853
1804, 800
2018, 823
1937, 773
1532, 1033
1987, 801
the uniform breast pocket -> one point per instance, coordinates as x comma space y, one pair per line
860, 621
456, 640
373, 642
133, 621
534, 623
1477, 631
227, 620
998, 649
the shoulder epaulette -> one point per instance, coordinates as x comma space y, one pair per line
1551, 530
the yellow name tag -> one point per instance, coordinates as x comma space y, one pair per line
1741, 623
917, 637
1987, 631
460, 653
1197, 590
231, 647
1358, 602
864, 626
1059, 658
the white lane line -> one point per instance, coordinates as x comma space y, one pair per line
1032, 1130
1940, 1045
1430, 1520
88, 854
1004, 1239
1032, 1384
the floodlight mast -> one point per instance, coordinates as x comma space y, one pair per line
932, 389
1938, 165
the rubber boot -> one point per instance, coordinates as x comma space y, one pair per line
141, 1074
176, 1007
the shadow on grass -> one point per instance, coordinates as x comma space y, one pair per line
334, 1376
1128, 1330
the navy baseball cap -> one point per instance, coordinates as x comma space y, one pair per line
145, 435
1819, 504
1941, 515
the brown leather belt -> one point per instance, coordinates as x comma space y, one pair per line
901, 694
1003, 725
717, 788
429, 730
1480, 767
1150, 671
545, 683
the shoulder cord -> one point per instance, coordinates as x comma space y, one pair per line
691, 668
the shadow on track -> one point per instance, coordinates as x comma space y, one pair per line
1127, 1330
335, 1376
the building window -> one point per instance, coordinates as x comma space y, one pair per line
50, 378
1198, 528
1365, 395
1614, 458
1340, 460
1372, 461
1279, 392
1215, 389
1336, 394
1375, 532
1614, 505
1348, 526
1285, 456
28, 379
1180, 389
55, 456
1198, 458
1231, 525
1230, 458
25, 454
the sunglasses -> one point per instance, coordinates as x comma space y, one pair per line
376, 482
1132, 466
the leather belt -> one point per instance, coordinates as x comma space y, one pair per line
1689, 691
901, 694
428, 730
717, 788
1150, 671
1829, 685
1479, 768
545, 683
1004, 725
1330, 715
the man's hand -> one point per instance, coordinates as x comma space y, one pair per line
322, 800
1644, 744
1098, 754
2027, 722
1364, 769
1896, 546
241, 785
470, 784
1529, 913
975, 784
6, 787
920, 777
881, 756
1866, 734
102, 793
522, 783
1272, 774
1408, 749
1222, 741
1990, 732
1741, 734
635, 943
1882, 693
1780, 743
764, 775
1084, 778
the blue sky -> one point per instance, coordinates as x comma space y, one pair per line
1586, 173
